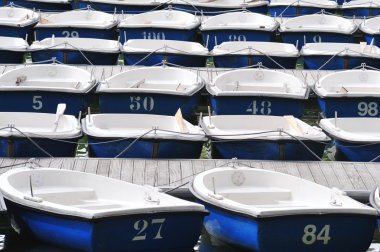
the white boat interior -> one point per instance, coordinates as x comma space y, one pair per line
349, 83
327, 4
341, 49
262, 193
18, 17
163, 46
52, 1
240, 21
354, 4
258, 82
85, 44
13, 44
22, 124
164, 80
228, 4
80, 19
256, 48
45, 77
319, 23
260, 127
353, 129
85, 195
171, 19
152, 3
371, 26
136, 125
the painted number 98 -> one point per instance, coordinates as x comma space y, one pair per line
367, 109
310, 236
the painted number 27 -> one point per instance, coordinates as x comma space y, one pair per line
310, 236
142, 225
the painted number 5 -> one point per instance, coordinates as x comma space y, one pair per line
310, 237
142, 225
37, 102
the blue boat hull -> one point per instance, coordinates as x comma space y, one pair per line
164, 232
76, 57
337, 62
212, 11
315, 37
155, 59
11, 57
43, 6
42, 102
144, 148
44, 32
350, 107
357, 152
237, 61
266, 150
376, 39
110, 8
210, 38
256, 105
347, 232
294, 11
361, 12
143, 103
156, 33
18, 32
23, 147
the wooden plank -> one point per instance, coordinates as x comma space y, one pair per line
44, 162
91, 165
267, 165
317, 173
331, 178
127, 170
374, 169
208, 164
256, 164
341, 174
79, 164
197, 166
138, 171
187, 173
175, 178
115, 168
354, 176
104, 167
68, 163
20, 162
7, 164
56, 162
367, 178
163, 173
287, 168
304, 171
151, 173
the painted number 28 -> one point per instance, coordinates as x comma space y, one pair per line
142, 225
310, 236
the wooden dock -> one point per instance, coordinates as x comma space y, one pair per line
355, 178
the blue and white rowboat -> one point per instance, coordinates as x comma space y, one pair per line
151, 90
25, 134
42, 5
371, 30
350, 93
361, 8
17, 22
263, 137
76, 51
215, 7
332, 56
247, 53
124, 6
374, 200
249, 207
93, 213
291, 8
142, 136
78, 24
237, 26
257, 92
161, 24
355, 139
317, 28
40, 88
12, 50
149, 52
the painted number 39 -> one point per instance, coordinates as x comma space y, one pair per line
310, 235
142, 225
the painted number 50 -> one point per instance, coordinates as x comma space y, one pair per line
310, 236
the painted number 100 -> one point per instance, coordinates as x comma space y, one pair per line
312, 235
141, 227
263, 108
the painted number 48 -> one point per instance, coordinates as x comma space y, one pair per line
310, 235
